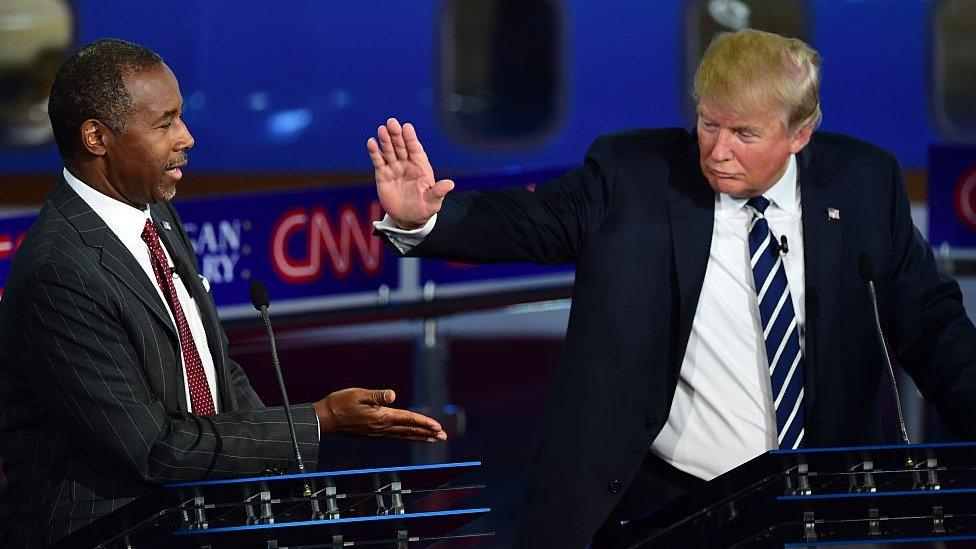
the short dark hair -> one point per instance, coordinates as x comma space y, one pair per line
90, 85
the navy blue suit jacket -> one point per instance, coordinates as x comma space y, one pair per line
636, 219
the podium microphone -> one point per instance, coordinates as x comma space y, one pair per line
260, 300
866, 266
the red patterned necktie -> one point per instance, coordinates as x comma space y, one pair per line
200, 397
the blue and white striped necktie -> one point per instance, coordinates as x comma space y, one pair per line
780, 328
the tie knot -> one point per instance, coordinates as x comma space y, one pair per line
759, 204
149, 231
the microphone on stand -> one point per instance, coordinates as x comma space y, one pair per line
260, 300
866, 267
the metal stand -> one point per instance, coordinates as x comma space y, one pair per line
192, 514
430, 371
263, 505
395, 504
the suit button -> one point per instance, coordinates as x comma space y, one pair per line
614, 486
651, 423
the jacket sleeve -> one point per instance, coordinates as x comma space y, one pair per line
932, 335
247, 397
550, 225
76, 352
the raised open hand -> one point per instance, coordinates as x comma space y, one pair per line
404, 177
364, 412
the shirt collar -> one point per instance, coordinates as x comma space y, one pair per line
122, 219
784, 194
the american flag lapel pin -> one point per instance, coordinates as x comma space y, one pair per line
167, 226
833, 213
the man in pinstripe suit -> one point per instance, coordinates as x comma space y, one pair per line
114, 374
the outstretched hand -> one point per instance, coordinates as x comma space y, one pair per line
404, 177
364, 412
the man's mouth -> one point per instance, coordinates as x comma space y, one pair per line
175, 170
723, 175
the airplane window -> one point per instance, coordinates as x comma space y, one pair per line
706, 18
500, 69
35, 36
954, 63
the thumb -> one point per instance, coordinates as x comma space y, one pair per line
383, 396
442, 187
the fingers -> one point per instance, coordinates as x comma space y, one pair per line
407, 418
414, 147
414, 434
364, 412
374, 153
395, 142
404, 431
386, 144
396, 135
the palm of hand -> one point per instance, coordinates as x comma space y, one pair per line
365, 412
377, 422
404, 177
404, 187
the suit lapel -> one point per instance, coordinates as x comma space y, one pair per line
822, 233
692, 217
113, 255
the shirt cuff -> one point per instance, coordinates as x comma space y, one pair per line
404, 239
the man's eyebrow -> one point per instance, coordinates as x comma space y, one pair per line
166, 115
747, 128
169, 114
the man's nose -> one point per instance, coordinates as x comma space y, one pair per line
722, 150
185, 140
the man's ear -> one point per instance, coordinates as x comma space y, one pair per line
801, 138
95, 137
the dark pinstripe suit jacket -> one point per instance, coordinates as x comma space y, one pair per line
91, 387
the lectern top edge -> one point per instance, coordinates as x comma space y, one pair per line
321, 474
892, 447
350, 520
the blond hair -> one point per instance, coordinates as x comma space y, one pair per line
746, 70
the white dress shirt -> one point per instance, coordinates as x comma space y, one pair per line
722, 414
127, 223
404, 239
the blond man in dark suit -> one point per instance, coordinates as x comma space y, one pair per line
698, 339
